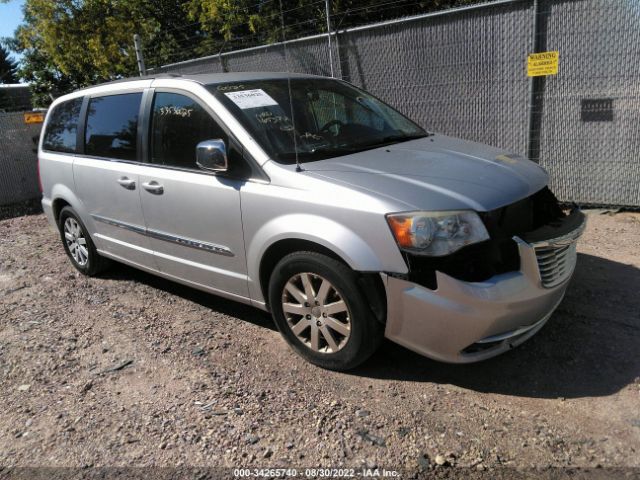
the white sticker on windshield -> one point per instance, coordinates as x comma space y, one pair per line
251, 98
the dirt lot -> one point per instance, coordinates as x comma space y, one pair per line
128, 369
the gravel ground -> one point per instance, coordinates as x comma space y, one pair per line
129, 369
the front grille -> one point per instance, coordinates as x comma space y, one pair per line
555, 263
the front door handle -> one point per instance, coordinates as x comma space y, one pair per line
153, 187
127, 183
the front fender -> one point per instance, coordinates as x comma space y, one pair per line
344, 242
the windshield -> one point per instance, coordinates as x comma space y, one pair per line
323, 118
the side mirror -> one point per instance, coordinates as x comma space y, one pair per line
212, 155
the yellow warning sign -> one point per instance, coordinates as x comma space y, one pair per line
541, 64
33, 117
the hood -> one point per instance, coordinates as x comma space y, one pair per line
436, 173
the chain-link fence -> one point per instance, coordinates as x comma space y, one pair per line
462, 72
18, 163
590, 112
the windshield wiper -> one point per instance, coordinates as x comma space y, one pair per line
323, 150
317, 153
322, 153
390, 139
399, 138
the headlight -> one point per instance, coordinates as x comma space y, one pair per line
436, 233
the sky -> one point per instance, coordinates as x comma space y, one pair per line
10, 18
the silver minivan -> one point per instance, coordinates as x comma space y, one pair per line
312, 199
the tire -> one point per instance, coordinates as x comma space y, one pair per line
72, 233
354, 332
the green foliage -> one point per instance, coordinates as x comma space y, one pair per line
8, 68
68, 44
8, 72
254, 22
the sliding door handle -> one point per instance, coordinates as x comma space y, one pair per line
127, 183
153, 187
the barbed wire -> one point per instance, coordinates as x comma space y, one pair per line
206, 44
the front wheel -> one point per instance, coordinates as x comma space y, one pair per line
320, 311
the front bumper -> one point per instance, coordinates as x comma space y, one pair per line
463, 322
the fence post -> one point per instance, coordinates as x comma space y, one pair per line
140, 59
537, 84
326, 5
223, 64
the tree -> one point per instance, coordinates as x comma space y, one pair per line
247, 22
69, 44
8, 68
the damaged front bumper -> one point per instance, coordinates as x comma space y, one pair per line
463, 322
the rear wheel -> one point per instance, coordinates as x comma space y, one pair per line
78, 244
321, 312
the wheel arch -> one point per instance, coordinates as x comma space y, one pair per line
57, 205
369, 282
280, 249
62, 196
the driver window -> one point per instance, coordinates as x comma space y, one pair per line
178, 124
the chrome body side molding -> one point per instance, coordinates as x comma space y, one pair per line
167, 237
115, 223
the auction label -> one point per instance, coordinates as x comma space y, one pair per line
542, 64
251, 98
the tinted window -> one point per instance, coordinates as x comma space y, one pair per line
62, 127
178, 125
112, 125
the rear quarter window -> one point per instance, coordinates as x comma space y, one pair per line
62, 128
112, 126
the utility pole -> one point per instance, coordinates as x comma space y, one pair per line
139, 58
326, 4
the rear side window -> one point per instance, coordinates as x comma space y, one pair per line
112, 126
178, 124
62, 127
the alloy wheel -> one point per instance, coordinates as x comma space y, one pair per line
316, 312
76, 241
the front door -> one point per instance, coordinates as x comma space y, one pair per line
193, 217
107, 177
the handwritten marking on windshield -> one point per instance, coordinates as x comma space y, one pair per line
312, 136
176, 111
230, 88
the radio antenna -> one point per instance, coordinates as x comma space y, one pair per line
293, 120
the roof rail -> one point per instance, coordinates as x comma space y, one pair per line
142, 77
